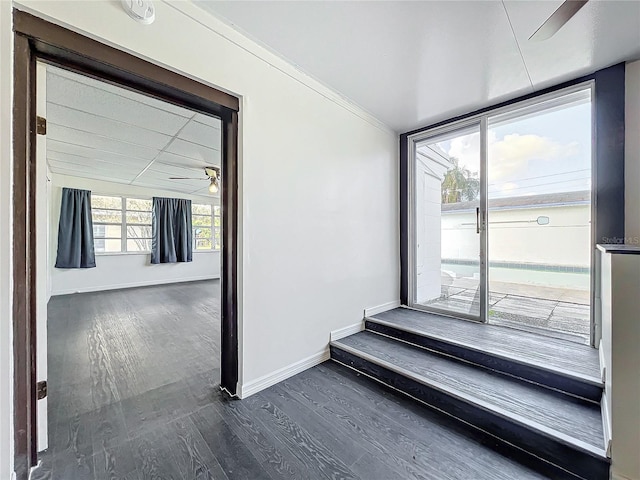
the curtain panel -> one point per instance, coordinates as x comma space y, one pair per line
171, 230
75, 230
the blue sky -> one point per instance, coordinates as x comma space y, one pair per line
546, 153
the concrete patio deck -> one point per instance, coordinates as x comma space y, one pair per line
557, 312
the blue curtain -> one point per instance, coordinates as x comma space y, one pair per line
171, 230
75, 230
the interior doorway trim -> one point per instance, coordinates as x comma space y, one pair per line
37, 39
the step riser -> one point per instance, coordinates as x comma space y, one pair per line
576, 461
527, 372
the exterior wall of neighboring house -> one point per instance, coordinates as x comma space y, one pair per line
108, 273
521, 250
318, 226
632, 153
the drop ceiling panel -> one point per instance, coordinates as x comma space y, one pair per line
81, 161
89, 153
99, 143
209, 156
86, 122
101, 132
104, 172
208, 120
109, 104
201, 134
182, 161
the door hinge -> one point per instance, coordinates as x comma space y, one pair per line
41, 125
41, 389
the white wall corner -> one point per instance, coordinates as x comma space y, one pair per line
346, 331
281, 374
381, 308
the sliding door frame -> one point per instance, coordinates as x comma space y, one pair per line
408, 196
38, 40
412, 142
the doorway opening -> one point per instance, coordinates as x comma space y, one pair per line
81, 143
501, 219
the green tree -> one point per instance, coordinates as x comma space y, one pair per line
460, 184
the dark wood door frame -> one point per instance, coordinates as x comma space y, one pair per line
37, 39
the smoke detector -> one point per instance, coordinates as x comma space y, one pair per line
141, 11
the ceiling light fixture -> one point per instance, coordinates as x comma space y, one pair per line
213, 186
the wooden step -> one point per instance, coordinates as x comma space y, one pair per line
559, 364
563, 430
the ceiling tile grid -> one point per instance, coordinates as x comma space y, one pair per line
101, 131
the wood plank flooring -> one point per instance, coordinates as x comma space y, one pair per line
134, 395
540, 350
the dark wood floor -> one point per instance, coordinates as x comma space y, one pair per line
133, 395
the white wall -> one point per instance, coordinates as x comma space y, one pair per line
319, 213
6, 334
632, 152
122, 270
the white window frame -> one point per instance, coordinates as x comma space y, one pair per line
216, 231
123, 224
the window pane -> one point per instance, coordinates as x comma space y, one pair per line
139, 245
201, 220
110, 231
138, 232
139, 218
216, 221
102, 245
203, 244
197, 209
138, 204
216, 210
99, 201
107, 216
217, 240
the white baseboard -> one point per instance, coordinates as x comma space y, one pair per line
281, 374
119, 286
606, 424
381, 308
346, 331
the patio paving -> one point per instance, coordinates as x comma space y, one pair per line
557, 312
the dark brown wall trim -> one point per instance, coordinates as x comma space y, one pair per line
64, 44
35, 38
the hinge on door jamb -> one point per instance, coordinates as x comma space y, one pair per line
41, 389
41, 125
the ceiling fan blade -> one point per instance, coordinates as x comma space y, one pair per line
187, 178
557, 19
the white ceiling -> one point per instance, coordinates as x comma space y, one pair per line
99, 131
412, 63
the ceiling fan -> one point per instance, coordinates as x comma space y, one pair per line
212, 176
557, 19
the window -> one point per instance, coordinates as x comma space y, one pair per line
121, 224
107, 223
205, 221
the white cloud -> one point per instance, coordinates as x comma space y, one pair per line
510, 157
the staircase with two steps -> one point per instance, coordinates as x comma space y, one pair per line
538, 394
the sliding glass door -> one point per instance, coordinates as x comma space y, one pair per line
448, 277
500, 216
